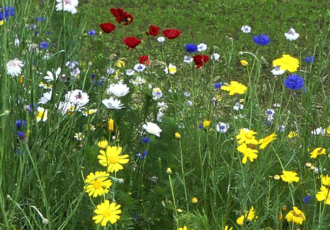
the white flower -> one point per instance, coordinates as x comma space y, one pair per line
156, 93
319, 131
246, 29
112, 103
50, 76
139, 68
45, 86
130, 72
118, 90
14, 67
161, 39
65, 107
277, 71
171, 69
160, 115
45, 98
137, 81
67, 5
190, 103
90, 127
152, 128
187, 94
270, 112
71, 64
291, 35
75, 73
42, 114
276, 105
222, 127
188, 59
88, 112
16, 40
79, 136
77, 97
281, 128
111, 71
162, 105
215, 57
201, 47
238, 106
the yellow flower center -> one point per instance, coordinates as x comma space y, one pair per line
107, 213
298, 214
113, 160
97, 184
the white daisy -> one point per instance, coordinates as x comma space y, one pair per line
77, 97
67, 5
171, 69
66, 107
291, 35
152, 128
222, 127
118, 90
79, 136
246, 29
42, 114
46, 97
14, 67
139, 68
50, 76
112, 103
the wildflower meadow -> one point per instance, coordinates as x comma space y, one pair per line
169, 115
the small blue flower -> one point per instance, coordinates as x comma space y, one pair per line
294, 82
309, 59
144, 154
306, 199
21, 135
44, 45
200, 126
191, 48
99, 83
20, 123
48, 33
91, 32
217, 85
146, 140
36, 33
32, 26
262, 40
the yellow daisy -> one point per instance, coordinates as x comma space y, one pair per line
264, 142
295, 216
234, 87
323, 195
325, 180
247, 136
292, 134
289, 176
286, 62
106, 212
111, 158
102, 144
97, 184
248, 153
317, 152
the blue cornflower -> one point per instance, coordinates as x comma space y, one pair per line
21, 135
144, 154
306, 199
200, 126
146, 140
294, 82
99, 83
41, 19
32, 26
36, 33
9, 11
217, 85
309, 59
191, 48
44, 45
20, 123
262, 40
91, 32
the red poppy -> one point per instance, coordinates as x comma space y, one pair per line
171, 33
122, 16
200, 60
153, 30
144, 60
107, 27
131, 42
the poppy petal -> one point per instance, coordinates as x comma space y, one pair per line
132, 42
171, 33
144, 60
200, 60
107, 27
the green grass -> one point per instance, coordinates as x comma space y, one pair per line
47, 171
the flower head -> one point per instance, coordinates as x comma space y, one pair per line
244, 62
249, 215
42, 114
246, 29
77, 97
131, 42
292, 134
289, 176
261, 40
156, 93
139, 67
171, 69
50, 75
215, 57
222, 127
277, 71
265, 141
309, 59
107, 27
191, 48
112, 103
317, 152
206, 124
97, 184
295, 216
112, 159
200, 60
119, 90
248, 153
153, 30
67, 5
247, 136
234, 87
103, 144
324, 195
152, 128
291, 35
14, 67
91, 32
201, 47
171, 33
286, 62
306, 199
106, 212
144, 59
79, 136
294, 82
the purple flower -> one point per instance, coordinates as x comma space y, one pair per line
294, 82
261, 40
20, 123
309, 59
306, 199
91, 32
217, 85
146, 140
44, 45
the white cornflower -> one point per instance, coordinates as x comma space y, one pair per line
130, 72
161, 39
291, 35
188, 59
71, 64
14, 67
67, 5
238, 106
112, 103
152, 128
118, 90
162, 105
50, 76
215, 57
186, 94
156, 93
45, 98
222, 127
16, 40
201, 47
139, 68
77, 97
190, 103
111, 71
246, 29
277, 71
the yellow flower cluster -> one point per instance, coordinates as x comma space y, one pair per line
249, 215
